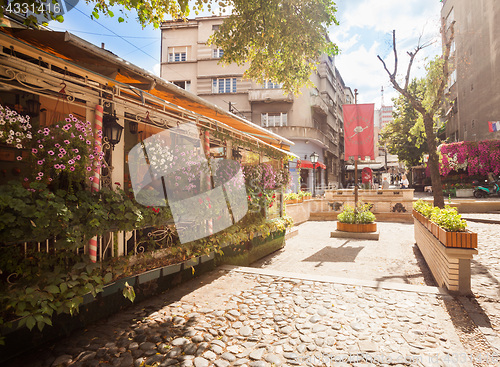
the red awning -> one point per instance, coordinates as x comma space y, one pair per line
309, 164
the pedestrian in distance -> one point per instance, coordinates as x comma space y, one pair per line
385, 184
404, 182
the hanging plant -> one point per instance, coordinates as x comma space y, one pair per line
14, 129
66, 150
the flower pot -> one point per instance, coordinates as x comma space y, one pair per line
465, 193
358, 228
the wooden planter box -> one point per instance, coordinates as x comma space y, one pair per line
358, 228
465, 239
294, 201
450, 266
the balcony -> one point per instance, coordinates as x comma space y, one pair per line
269, 95
319, 105
307, 133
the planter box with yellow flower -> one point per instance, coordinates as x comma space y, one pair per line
446, 244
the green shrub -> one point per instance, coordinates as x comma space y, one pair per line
362, 215
447, 218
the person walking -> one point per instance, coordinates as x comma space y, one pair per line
385, 184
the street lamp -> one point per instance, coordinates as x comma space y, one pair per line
314, 160
112, 129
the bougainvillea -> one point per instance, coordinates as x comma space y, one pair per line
478, 158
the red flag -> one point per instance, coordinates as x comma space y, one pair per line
358, 130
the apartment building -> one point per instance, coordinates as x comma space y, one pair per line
474, 81
312, 119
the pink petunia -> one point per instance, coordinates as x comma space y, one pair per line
71, 168
40, 163
19, 158
34, 150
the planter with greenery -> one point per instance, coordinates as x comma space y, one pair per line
291, 198
359, 219
445, 224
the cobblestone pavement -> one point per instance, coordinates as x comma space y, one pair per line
485, 279
264, 317
267, 320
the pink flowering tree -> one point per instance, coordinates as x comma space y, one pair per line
477, 158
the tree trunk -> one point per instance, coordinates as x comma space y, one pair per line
437, 187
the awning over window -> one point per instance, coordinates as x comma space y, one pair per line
309, 164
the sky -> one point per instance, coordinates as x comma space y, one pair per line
365, 31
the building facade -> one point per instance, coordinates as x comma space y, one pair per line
473, 85
312, 120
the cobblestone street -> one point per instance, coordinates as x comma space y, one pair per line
297, 309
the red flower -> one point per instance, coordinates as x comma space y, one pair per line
260, 194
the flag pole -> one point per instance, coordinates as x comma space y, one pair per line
356, 184
356, 160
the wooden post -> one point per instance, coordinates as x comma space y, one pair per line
355, 183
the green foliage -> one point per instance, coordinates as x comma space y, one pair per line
423, 208
281, 40
129, 292
36, 214
447, 218
405, 135
360, 215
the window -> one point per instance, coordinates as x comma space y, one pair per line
275, 119
271, 85
217, 53
215, 27
452, 79
224, 85
185, 84
177, 54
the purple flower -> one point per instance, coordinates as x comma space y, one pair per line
34, 150
66, 141
71, 168
40, 163
60, 155
51, 152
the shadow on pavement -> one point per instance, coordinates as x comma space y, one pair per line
335, 254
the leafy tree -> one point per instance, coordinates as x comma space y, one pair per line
405, 135
429, 104
281, 40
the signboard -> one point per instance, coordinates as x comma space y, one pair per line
358, 130
366, 175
